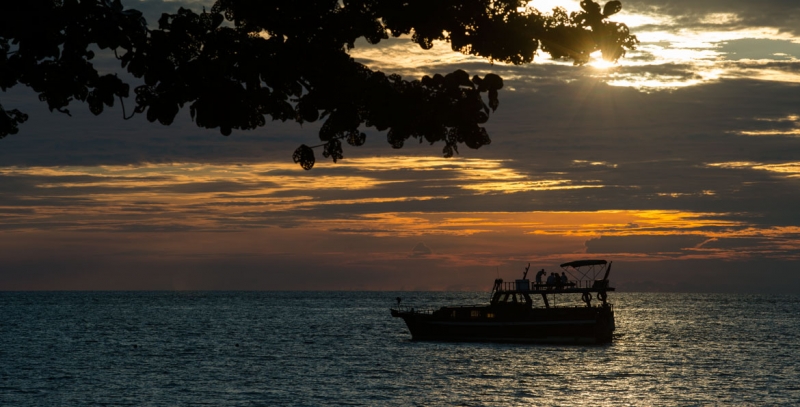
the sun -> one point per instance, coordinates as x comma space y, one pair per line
600, 63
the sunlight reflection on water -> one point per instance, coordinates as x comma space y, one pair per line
339, 348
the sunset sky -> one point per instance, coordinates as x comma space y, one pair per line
681, 163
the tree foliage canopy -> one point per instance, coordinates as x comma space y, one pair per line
245, 60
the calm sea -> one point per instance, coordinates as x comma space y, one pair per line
343, 348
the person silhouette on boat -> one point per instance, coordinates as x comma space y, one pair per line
539, 276
558, 281
551, 281
564, 278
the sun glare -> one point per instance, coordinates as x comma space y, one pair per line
600, 63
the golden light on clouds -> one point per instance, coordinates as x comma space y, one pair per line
257, 182
581, 163
684, 194
695, 50
369, 198
229, 197
522, 186
586, 224
788, 169
720, 18
404, 56
792, 132
789, 118
626, 223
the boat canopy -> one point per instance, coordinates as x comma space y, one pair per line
581, 263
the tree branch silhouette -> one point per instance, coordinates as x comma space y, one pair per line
245, 60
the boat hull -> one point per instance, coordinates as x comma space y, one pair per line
579, 325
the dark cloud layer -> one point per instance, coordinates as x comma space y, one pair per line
781, 14
650, 244
653, 152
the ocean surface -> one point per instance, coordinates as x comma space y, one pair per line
344, 348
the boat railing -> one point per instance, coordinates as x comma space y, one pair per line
525, 285
413, 310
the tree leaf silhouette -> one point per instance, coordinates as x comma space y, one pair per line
287, 60
304, 156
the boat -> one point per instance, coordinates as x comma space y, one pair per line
572, 310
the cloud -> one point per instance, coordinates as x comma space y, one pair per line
152, 9
695, 156
364, 231
646, 244
754, 48
723, 14
420, 250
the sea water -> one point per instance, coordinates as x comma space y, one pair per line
344, 348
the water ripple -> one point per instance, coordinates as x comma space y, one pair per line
319, 349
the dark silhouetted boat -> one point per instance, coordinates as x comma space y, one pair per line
584, 316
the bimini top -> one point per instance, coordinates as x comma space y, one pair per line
581, 263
